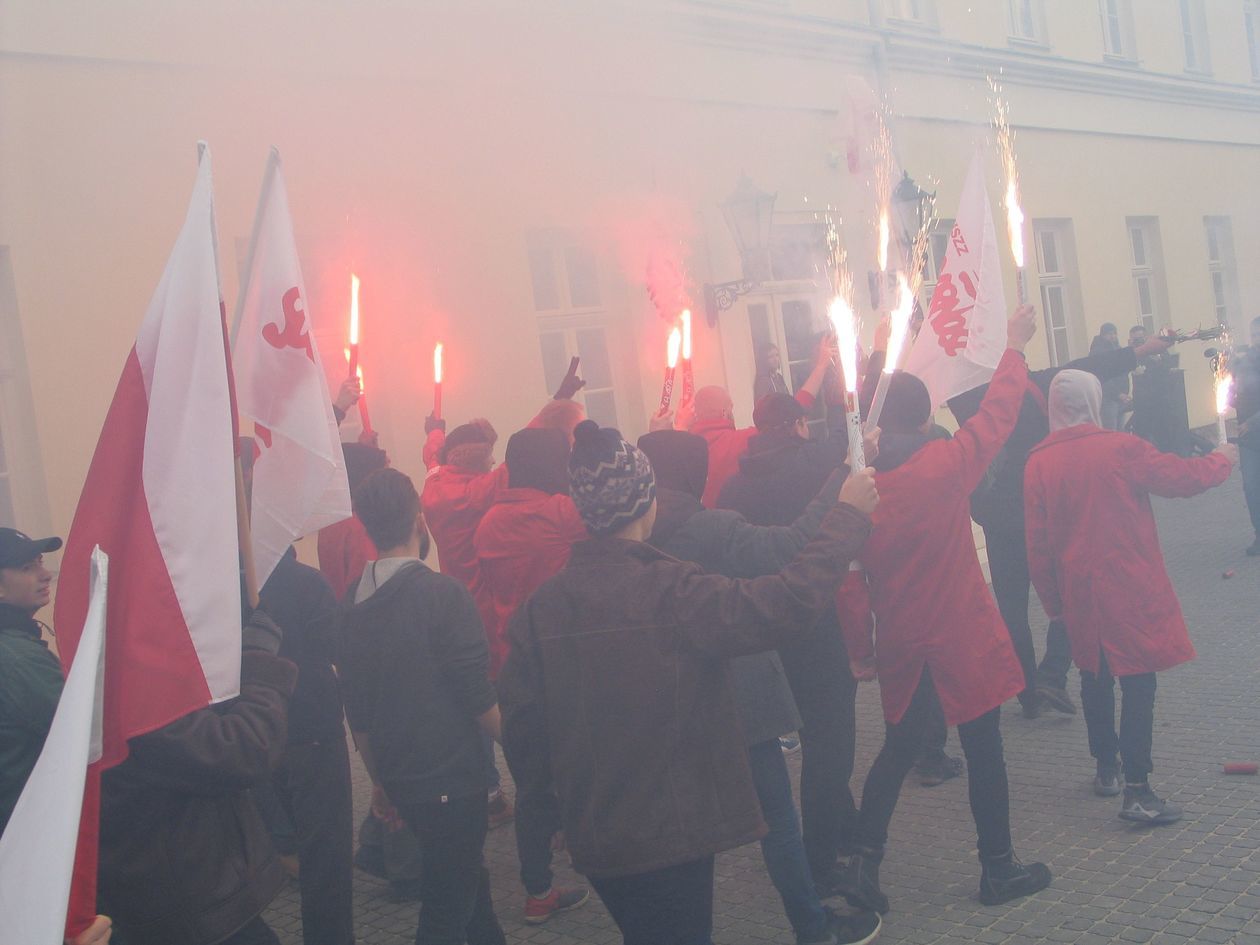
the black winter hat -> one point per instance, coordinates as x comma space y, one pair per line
776, 411
679, 459
538, 459
908, 406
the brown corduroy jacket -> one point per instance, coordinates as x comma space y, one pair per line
617, 694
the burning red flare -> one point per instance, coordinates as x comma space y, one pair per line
674, 345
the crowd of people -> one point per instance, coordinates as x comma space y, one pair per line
639, 626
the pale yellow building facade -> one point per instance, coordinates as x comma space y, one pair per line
499, 174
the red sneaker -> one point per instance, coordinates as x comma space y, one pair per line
558, 900
501, 810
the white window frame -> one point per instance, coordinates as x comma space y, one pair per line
920, 13
1251, 29
1062, 282
1194, 36
771, 302
1222, 268
1146, 256
938, 240
1027, 21
1118, 30
570, 317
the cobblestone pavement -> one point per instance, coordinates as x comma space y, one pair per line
1198, 880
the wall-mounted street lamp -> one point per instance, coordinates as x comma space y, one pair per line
749, 215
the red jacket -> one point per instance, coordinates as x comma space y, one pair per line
1093, 551
931, 603
454, 500
521, 542
726, 446
344, 550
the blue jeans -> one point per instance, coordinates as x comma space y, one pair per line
782, 848
1249, 461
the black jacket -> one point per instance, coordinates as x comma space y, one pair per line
415, 673
780, 475
1246, 369
999, 502
301, 601
185, 856
724, 543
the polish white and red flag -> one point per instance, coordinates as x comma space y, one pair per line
299, 479
160, 501
964, 332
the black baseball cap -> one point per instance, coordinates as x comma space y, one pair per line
17, 548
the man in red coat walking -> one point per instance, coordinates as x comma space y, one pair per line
937, 625
1094, 556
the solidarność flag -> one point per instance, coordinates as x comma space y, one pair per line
964, 333
299, 475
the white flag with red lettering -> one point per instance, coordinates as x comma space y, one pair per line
299, 481
964, 333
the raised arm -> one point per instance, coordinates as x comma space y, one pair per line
724, 617
1171, 476
978, 440
754, 550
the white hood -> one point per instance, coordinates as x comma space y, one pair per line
1075, 398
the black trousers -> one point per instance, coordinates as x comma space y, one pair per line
817, 670
537, 821
1012, 586
987, 789
672, 906
313, 785
455, 904
1137, 719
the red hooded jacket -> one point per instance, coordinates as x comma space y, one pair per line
344, 550
523, 540
931, 603
1093, 550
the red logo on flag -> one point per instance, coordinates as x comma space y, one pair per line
292, 335
949, 310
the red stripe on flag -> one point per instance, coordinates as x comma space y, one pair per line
152, 672
81, 910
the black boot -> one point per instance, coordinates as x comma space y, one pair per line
859, 881
1003, 878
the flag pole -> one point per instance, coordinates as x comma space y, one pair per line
269, 173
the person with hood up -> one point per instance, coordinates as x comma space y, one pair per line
781, 473
523, 540
997, 506
722, 542
1093, 551
618, 682
936, 623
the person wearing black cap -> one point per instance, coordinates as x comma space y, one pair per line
30, 675
618, 682
1115, 390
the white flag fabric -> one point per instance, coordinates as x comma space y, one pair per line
299, 482
964, 333
38, 846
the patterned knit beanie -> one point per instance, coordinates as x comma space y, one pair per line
611, 482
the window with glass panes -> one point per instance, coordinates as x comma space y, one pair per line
1194, 38
913, 11
571, 319
1117, 28
1149, 281
1026, 20
1056, 265
1222, 269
